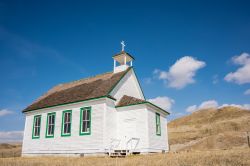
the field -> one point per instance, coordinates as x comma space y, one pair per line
210, 129
236, 157
205, 138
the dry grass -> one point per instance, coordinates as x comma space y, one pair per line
236, 157
223, 128
10, 150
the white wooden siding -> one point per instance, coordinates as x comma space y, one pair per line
127, 86
157, 143
110, 124
67, 145
137, 115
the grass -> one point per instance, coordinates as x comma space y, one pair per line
210, 129
235, 157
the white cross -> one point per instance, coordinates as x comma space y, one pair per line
123, 45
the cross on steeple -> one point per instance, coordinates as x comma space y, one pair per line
123, 45
123, 58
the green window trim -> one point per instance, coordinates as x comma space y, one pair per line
158, 124
47, 125
87, 121
34, 125
62, 127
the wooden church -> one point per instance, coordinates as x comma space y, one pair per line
102, 115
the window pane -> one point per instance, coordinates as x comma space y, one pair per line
53, 119
35, 131
69, 128
39, 120
65, 128
68, 117
66, 123
52, 130
50, 119
50, 125
65, 117
88, 126
49, 130
85, 120
84, 126
88, 115
83, 115
38, 131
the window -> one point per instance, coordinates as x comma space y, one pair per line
66, 123
85, 121
36, 127
158, 124
50, 128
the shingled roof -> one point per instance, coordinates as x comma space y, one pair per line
84, 89
129, 100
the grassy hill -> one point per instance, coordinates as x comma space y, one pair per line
10, 149
207, 129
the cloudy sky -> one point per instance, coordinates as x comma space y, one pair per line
189, 54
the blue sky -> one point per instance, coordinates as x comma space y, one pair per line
184, 51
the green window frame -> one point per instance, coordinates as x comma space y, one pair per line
36, 130
66, 123
50, 125
158, 124
85, 121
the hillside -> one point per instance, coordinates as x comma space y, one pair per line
223, 128
10, 149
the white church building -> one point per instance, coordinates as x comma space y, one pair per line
102, 115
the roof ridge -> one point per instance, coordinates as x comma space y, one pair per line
82, 79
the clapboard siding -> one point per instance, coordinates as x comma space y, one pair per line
72, 144
139, 129
128, 86
110, 124
157, 143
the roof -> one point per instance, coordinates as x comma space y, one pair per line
80, 90
123, 52
129, 101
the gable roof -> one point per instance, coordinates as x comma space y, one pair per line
129, 101
84, 89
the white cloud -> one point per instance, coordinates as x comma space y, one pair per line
163, 102
243, 106
4, 112
11, 136
208, 104
181, 73
203, 105
191, 108
242, 74
214, 104
247, 92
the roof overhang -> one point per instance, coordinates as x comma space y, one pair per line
146, 103
120, 57
58, 105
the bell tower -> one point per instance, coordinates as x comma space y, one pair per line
124, 60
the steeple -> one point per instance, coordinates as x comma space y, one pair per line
123, 58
